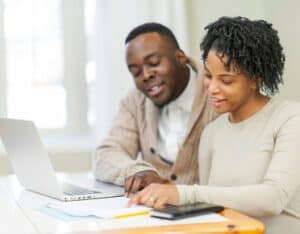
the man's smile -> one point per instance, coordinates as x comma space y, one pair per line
155, 90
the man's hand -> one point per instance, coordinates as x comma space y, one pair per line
140, 180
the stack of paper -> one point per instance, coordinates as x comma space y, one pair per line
102, 208
112, 210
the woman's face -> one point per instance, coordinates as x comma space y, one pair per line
229, 89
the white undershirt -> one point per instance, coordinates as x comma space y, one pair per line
173, 121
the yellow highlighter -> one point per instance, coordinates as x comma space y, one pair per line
128, 215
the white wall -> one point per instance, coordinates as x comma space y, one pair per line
284, 15
203, 12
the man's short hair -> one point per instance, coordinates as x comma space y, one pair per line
152, 27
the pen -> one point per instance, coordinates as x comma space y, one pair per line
131, 214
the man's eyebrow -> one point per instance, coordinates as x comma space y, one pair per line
151, 55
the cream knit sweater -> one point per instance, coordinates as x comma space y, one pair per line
253, 166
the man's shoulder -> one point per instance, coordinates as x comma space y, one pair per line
135, 97
136, 101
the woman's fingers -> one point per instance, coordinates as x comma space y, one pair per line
156, 195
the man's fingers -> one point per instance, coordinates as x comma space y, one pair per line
133, 184
130, 195
128, 184
136, 185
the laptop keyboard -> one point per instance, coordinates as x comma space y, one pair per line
70, 189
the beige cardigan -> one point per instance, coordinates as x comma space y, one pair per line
134, 131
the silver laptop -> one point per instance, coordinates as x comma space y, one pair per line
33, 168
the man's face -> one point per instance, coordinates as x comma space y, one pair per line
156, 66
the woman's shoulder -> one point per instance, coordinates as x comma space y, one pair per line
286, 108
283, 112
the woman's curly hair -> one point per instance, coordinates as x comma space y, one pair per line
252, 46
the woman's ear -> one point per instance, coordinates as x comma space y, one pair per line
255, 83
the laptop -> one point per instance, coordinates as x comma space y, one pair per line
32, 166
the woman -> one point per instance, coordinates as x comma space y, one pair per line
249, 157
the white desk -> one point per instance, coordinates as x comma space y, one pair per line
19, 211
19, 214
12, 218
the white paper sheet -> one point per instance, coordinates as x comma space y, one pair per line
147, 221
110, 207
102, 208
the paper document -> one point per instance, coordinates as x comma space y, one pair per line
110, 209
103, 208
147, 221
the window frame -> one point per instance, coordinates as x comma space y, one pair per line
3, 98
74, 70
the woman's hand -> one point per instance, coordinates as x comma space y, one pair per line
141, 180
156, 196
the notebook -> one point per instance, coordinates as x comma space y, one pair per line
32, 166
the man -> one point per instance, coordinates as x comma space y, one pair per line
161, 120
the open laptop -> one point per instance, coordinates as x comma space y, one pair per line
33, 168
